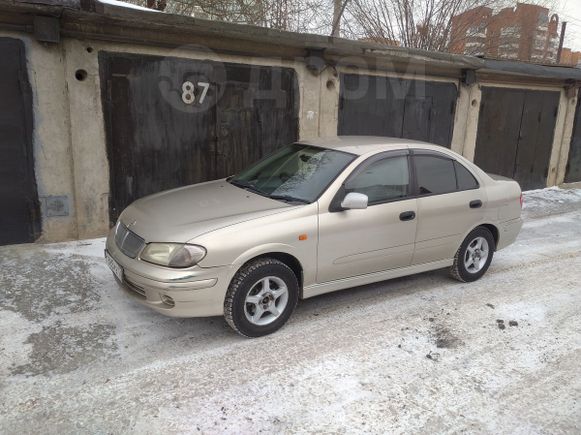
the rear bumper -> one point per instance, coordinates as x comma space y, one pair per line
195, 292
508, 232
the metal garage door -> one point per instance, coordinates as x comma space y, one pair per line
388, 106
515, 134
573, 173
20, 217
172, 122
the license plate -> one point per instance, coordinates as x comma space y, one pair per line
114, 266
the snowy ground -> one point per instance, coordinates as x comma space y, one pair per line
418, 354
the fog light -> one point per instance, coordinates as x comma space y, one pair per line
168, 300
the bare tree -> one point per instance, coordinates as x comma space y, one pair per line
293, 15
424, 24
438, 25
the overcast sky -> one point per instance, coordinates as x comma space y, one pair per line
570, 11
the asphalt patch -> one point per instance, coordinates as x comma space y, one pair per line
62, 349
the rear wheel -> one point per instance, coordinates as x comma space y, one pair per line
261, 297
474, 255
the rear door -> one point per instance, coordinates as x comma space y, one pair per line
358, 242
450, 203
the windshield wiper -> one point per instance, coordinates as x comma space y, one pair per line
249, 186
246, 185
289, 198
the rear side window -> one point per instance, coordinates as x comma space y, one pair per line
435, 175
466, 180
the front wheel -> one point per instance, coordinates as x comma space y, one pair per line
261, 297
474, 256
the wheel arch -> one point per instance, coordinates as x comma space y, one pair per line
284, 257
493, 230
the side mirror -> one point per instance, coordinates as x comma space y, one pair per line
354, 200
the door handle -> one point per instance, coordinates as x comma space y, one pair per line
407, 216
476, 203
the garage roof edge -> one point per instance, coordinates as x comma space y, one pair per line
87, 11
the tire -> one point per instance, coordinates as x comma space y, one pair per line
250, 306
469, 261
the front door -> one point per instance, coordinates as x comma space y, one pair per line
378, 238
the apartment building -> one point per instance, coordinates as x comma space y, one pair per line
525, 32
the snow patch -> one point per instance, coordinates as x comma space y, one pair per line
552, 194
83, 248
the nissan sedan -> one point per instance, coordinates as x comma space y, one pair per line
314, 217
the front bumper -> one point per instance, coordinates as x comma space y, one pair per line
194, 292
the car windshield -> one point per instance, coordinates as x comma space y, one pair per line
296, 173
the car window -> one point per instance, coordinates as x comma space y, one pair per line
300, 172
466, 180
383, 180
435, 175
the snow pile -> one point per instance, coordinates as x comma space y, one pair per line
552, 200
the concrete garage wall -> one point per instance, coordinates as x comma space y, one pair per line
70, 150
51, 138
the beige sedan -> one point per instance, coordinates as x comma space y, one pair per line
315, 217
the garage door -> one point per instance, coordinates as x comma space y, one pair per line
20, 217
573, 173
515, 134
172, 122
388, 106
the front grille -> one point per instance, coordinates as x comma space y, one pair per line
127, 241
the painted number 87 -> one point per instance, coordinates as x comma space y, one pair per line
188, 95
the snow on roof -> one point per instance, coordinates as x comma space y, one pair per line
126, 5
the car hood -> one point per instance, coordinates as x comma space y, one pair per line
182, 214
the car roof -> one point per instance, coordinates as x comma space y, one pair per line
367, 144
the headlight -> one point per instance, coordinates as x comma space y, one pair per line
173, 254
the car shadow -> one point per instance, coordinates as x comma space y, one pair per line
335, 303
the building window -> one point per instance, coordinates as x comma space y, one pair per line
477, 31
510, 31
543, 20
